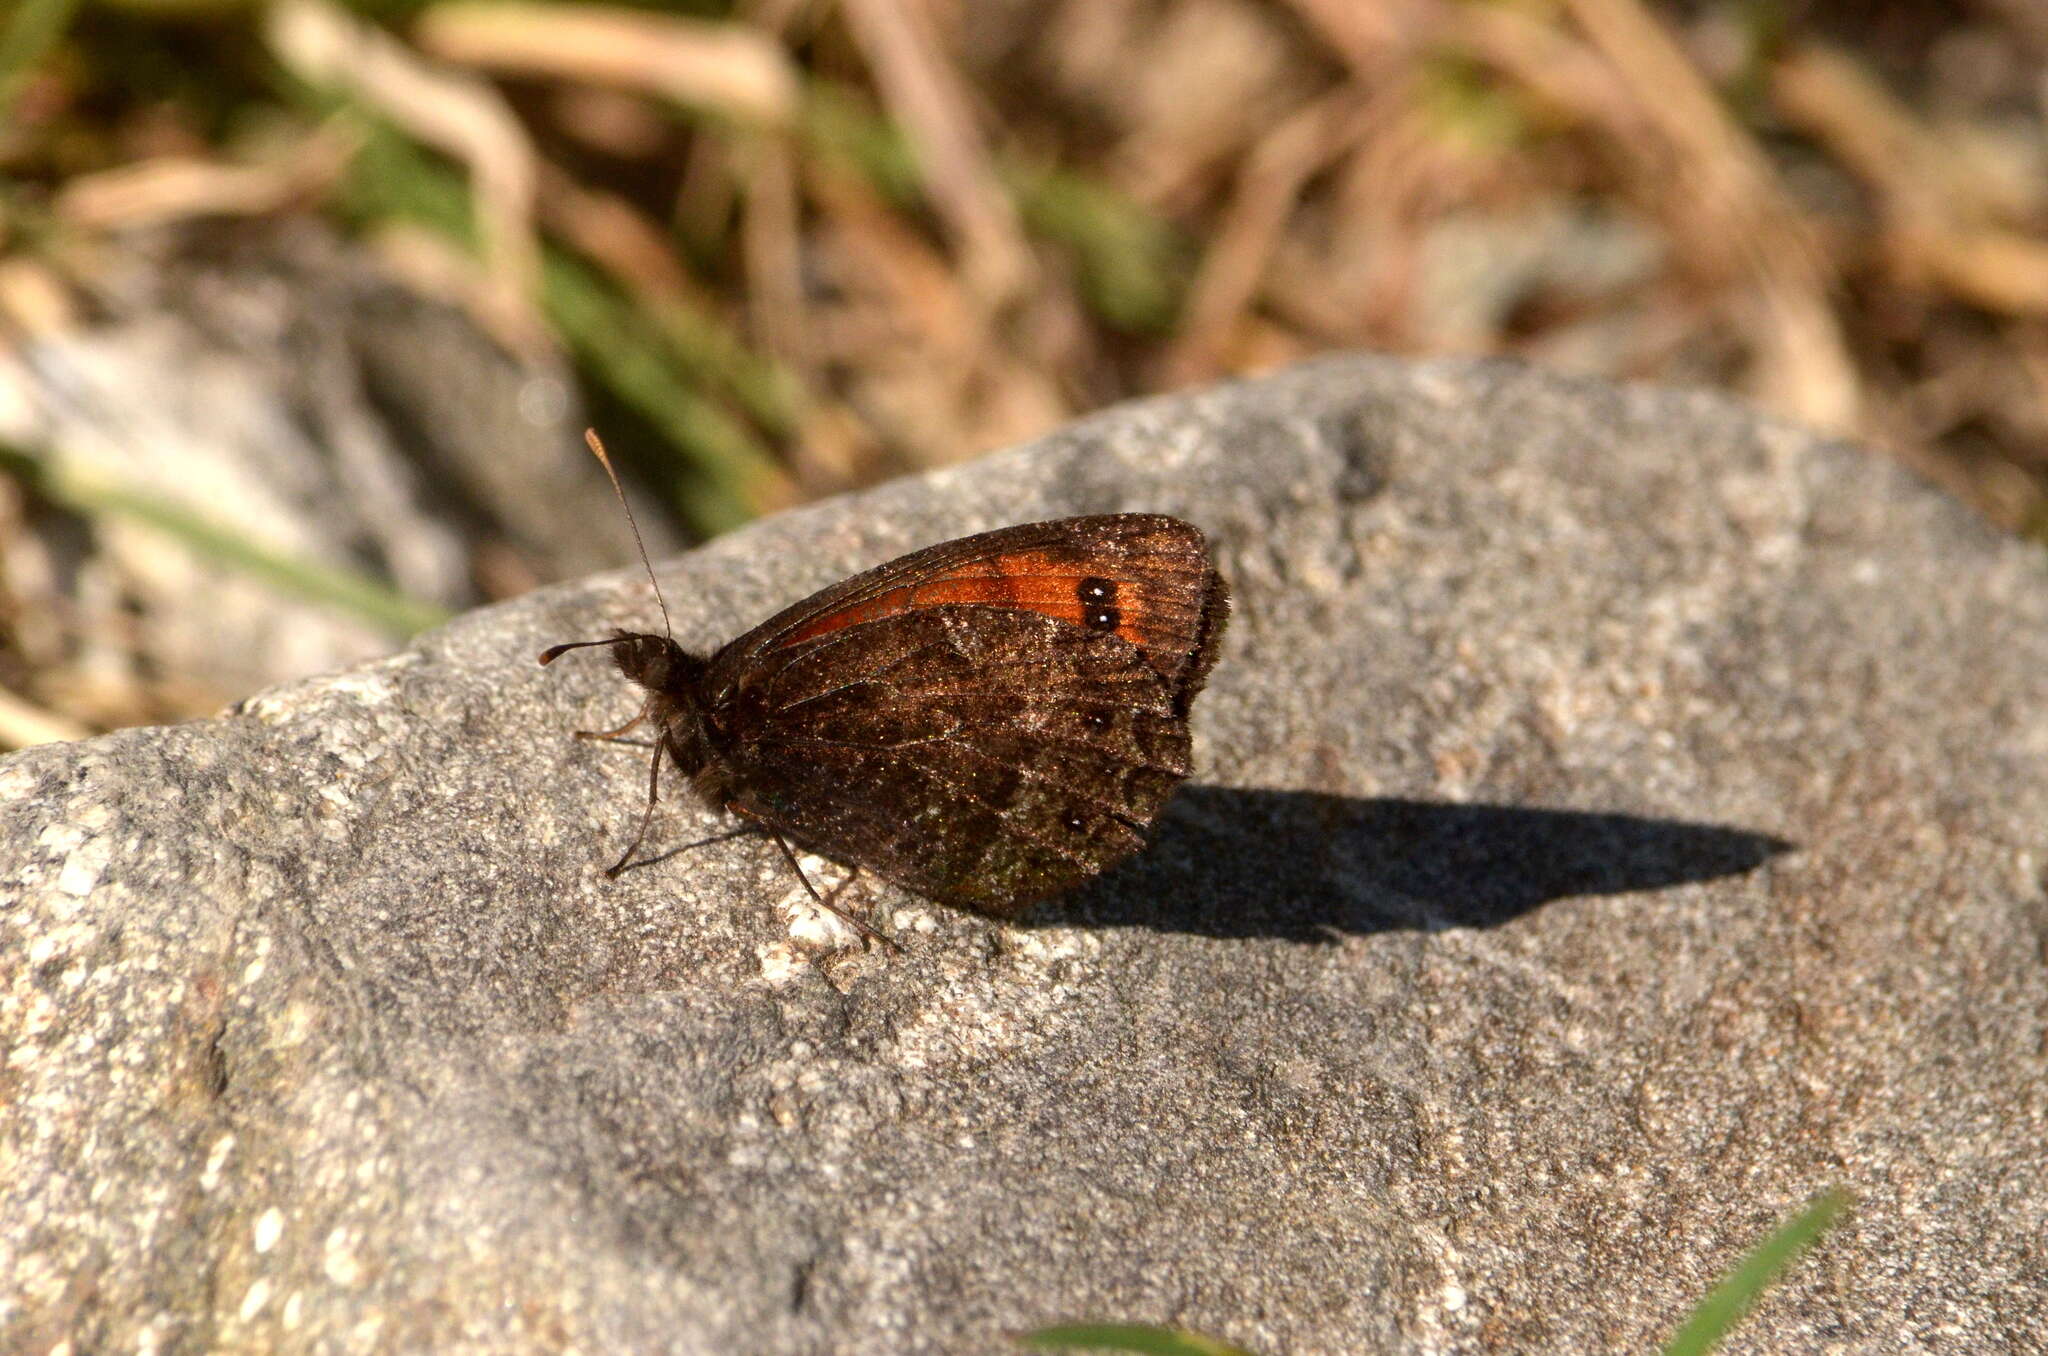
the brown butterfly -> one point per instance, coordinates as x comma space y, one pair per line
988, 721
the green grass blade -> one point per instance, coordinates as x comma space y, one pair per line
729, 475
733, 475
1138, 1337
1132, 266
343, 590
711, 354
26, 38
843, 127
1727, 1303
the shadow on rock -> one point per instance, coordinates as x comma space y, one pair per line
1307, 866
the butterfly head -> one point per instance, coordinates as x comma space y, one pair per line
656, 663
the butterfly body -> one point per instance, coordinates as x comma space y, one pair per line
987, 722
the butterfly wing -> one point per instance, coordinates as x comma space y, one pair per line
989, 721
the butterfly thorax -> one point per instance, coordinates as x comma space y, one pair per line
671, 675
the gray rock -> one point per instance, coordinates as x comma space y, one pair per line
281, 387
1620, 818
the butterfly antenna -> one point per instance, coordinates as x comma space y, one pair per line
597, 450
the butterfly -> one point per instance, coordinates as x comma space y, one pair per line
987, 722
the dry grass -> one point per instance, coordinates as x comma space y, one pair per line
869, 237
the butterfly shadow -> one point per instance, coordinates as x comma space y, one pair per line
1306, 866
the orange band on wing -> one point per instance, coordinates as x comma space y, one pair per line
1048, 583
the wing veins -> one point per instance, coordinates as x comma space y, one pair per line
952, 686
1108, 807
1001, 816
1072, 744
1156, 638
790, 742
877, 675
890, 830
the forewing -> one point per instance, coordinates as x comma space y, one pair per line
983, 756
1142, 577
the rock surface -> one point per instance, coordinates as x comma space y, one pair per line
1619, 819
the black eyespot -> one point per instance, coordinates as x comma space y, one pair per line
1101, 722
1095, 589
1074, 823
1102, 618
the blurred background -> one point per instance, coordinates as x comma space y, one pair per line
303, 304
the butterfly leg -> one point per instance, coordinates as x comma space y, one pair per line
647, 815
614, 734
832, 895
824, 902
